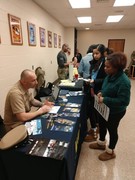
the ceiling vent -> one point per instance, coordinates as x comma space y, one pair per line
98, 24
102, 1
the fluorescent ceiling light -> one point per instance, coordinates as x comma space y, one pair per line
87, 28
114, 18
79, 3
84, 19
124, 3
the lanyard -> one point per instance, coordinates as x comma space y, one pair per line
94, 74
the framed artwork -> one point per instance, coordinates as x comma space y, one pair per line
15, 30
31, 34
42, 37
59, 41
55, 40
49, 39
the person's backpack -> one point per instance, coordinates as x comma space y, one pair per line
40, 73
41, 90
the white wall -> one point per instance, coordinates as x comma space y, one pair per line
86, 38
69, 37
13, 58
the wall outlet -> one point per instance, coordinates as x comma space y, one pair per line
32, 67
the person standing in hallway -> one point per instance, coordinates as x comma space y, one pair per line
84, 66
74, 62
115, 93
92, 86
78, 55
69, 51
108, 51
63, 64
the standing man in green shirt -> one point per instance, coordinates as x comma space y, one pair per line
63, 70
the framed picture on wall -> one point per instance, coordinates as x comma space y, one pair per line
31, 34
15, 30
42, 35
49, 39
55, 40
59, 41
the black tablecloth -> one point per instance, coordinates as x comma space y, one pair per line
16, 164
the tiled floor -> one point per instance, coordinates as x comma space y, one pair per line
121, 168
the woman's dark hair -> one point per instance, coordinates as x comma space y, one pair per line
101, 48
118, 60
109, 50
73, 58
91, 47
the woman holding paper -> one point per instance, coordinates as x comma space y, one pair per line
115, 93
97, 75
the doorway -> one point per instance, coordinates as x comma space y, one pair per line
116, 44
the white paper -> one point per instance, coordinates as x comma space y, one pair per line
86, 80
54, 109
101, 108
71, 72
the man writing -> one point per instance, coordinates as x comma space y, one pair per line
19, 101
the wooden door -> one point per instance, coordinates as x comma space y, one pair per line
116, 44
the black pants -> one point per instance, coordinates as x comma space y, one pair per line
88, 111
112, 126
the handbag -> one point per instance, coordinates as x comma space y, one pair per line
44, 91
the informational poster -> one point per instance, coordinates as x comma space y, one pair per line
49, 148
34, 127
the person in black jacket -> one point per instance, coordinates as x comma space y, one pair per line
97, 75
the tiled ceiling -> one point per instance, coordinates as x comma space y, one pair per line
99, 11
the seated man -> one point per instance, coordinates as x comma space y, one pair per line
19, 101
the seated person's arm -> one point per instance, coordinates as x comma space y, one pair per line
22, 109
37, 103
25, 116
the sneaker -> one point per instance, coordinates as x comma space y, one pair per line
106, 156
97, 146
